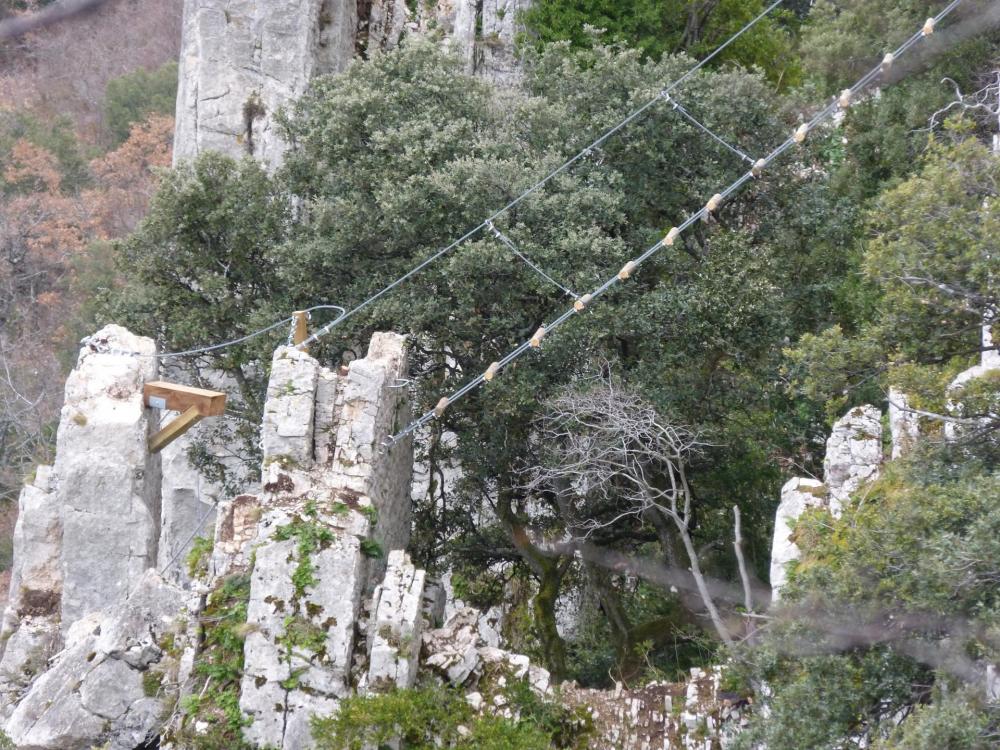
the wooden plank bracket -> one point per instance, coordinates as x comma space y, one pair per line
194, 404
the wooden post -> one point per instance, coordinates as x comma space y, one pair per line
300, 332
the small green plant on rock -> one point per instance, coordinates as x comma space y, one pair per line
198, 556
220, 665
311, 537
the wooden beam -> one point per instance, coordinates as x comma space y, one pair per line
175, 429
172, 397
301, 330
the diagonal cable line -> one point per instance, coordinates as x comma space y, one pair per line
632, 266
513, 248
541, 183
588, 150
212, 347
680, 109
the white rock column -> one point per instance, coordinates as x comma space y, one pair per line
30, 632
107, 482
903, 424
298, 656
242, 60
853, 455
374, 408
396, 626
797, 496
289, 412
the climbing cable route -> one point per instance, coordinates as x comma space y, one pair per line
842, 102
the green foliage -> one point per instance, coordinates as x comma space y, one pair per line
956, 719
657, 28
152, 680
887, 601
198, 556
371, 548
133, 97
437, 717
311, 537
846, 38
930, 269
221, 660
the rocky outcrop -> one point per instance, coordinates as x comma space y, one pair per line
694, 714
334, 496
853, 459
107, 482
242, 61
396, 625
853, 455
797, 496
30, 630
110, 686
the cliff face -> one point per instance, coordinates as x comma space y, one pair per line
241, 60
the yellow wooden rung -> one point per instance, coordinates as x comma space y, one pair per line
627, 270
441, 406
536, 340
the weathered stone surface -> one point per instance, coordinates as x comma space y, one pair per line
235, 531
286, 678
453, 650
108, 484
989, 362
796, 496
188, 506
853, 454
241, 61
287, 432
385, 24
92, 695
501, 23
396, 626
903, 424
36, 573
327, 411
26, 654
373, 408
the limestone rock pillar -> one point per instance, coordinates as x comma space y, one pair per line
903, 424
853, 454
797, 496
242, 60
107, 482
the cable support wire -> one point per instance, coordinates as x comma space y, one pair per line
586, 151
513, 248
680, 109
213, 347
630, 268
